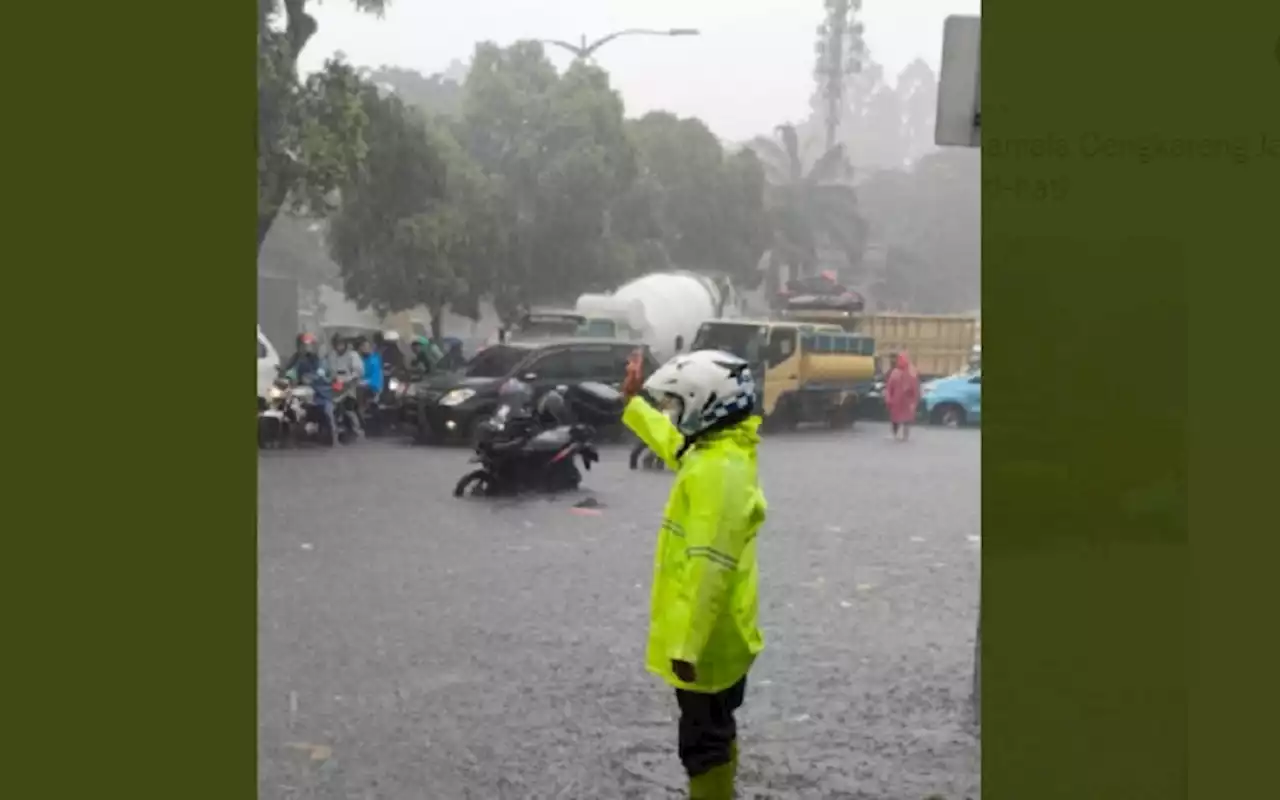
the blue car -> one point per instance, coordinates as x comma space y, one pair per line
953, 401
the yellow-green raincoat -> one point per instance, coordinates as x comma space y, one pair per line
703, 606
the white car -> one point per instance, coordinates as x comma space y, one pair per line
268, 364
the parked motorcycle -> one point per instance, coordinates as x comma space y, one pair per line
520, 451
598, 405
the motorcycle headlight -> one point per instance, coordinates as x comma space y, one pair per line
457, 397
395, 385
275, 393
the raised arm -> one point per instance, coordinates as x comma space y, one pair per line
654, 429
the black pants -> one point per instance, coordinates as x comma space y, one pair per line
707, 727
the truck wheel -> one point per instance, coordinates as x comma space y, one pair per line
783, 418
843, 416
948, 415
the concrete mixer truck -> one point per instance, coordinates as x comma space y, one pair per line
662, 309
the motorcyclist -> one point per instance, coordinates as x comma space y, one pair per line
388, 343
370, 365
305, 354
453, 357
553, 411
703, 636
425, 355
517, 397
306, 368
373, 383
345, 366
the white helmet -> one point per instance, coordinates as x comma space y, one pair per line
707, 385
391, 336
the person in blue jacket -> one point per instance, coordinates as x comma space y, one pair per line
373, 374
373, 384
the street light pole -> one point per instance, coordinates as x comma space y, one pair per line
583, 50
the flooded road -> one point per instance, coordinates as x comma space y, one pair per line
417, 647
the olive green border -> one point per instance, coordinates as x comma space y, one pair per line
130, 552
1097, 258
132, 580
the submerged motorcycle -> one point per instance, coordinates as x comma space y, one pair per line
523, 449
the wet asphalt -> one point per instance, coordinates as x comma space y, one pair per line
413, 646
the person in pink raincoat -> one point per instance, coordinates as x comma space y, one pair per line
901, 395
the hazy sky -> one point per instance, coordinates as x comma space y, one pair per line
749, 70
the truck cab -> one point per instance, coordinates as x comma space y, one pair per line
804, 372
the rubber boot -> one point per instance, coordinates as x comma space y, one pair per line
716, 783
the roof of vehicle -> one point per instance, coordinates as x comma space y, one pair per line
566, 341
549, 311
777, 323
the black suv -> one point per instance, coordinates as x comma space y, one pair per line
447, 406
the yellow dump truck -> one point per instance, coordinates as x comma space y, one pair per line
938, 344
804, 372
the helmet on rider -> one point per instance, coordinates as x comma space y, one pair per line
391, 335
339, 343
553, 407
704, 390
306, 341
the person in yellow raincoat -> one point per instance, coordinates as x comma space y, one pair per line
703, 636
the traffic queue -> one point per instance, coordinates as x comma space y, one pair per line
345, 391
813, 361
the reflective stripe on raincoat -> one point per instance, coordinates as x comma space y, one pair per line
703, 603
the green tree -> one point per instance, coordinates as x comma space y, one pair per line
310, 133
435, 94
810, 208
556, 149
404, 235
707, 208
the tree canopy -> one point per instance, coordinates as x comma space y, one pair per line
434, 94
707, 208
511, 182
811, 207
310, 133
919, 206
556, 146
417, 224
